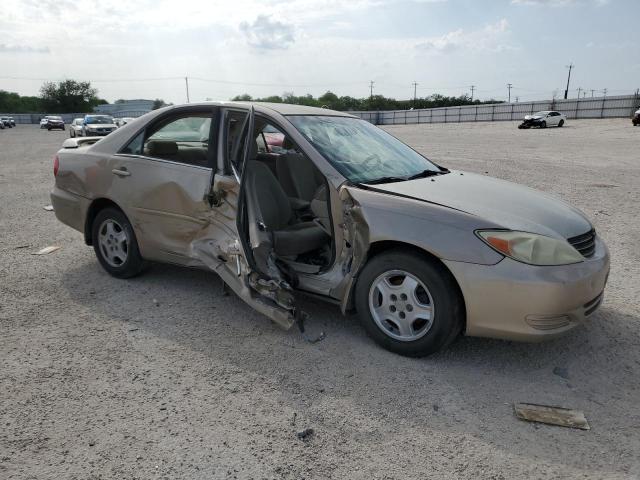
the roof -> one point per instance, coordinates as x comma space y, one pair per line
284, 108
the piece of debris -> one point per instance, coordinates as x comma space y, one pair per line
156, 302
48, 208
304, 434
563, 417
134, 329
561, 372
22, 246
435, 407
47, 250
293, 420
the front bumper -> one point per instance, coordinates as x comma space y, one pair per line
516, 301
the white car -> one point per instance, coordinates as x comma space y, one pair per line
97, 125
75, 129
544, 119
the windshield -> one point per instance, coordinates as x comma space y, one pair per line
359, 151
540, 114
99, 120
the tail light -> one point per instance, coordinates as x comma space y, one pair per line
56, 165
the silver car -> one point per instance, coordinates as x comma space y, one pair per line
342, 211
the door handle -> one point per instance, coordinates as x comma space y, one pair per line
121, 172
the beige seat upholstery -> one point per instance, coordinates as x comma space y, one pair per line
297, 174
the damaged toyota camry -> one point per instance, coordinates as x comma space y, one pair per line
340, 210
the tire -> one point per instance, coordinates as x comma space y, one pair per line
543, 124
561, 123
119, 259
435, 295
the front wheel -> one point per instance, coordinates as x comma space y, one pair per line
409, 304
543, 124
115, 244
561, 123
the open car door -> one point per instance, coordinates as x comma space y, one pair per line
235, 244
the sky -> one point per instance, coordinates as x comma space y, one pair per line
145, 48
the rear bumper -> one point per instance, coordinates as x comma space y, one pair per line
69, 208
515, 301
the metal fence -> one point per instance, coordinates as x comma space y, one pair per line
598, 107
34, 118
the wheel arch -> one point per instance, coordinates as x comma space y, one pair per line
382, 246
96, 206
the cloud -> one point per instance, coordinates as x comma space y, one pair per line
22, 49
559, 3
490, 38
265, 33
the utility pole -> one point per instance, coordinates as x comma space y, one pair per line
579, 90
186, 82
604, 91
566, 92
473, 87
509, 86
415, 86
371, 89
592, 90
517, 99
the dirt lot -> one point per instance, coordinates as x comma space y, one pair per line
99, 381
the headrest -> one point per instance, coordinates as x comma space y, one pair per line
287, 144
161, 147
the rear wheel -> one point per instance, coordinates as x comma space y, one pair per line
561, 123
409, 304
115, 244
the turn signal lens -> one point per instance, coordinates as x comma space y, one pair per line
531, 248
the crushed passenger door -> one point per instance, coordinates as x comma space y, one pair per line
236, 246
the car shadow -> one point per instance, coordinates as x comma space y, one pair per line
467, 390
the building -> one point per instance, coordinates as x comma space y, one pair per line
125, 108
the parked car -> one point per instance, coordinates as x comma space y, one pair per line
346, 212
6, 122
97, 125
544, 119
1, 125
52, 122
636, 118
13, 121
75, 127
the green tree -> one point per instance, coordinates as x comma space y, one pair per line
69, 96
159, 103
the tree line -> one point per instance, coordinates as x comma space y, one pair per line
67, 96
375, 102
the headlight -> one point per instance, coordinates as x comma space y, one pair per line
531, 248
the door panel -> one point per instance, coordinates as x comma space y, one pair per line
165, 201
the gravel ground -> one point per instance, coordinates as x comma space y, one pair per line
99, 381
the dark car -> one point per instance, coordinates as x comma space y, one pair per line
51, 122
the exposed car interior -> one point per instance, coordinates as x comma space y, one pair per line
290, 199
184, 140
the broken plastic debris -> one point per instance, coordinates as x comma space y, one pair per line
47, 250
564, 417
48, 208
306, 433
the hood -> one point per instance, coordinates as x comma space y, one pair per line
102, 125
503, 203
532, 117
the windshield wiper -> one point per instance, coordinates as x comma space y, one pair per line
427, 173
384, 180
